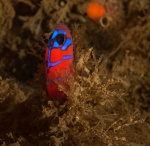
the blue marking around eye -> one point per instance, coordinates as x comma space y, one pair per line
66, 57
56, 45
56, 32
53, 44
61, 32
67, 43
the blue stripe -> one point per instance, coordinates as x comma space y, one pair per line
66, 57
54, 63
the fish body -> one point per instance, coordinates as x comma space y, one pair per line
58, 60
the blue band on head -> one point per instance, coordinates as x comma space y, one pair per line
52, 43
56, 45
56, 32
67, 43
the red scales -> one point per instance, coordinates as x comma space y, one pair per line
59, 59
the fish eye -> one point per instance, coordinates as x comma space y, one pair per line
60, 39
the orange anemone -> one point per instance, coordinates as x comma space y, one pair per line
95, 10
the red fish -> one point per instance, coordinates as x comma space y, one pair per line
58, 60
